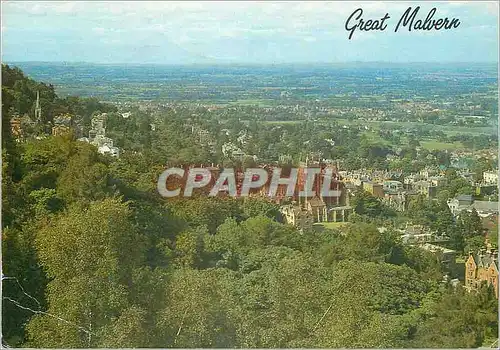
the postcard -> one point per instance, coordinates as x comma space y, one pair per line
249, 174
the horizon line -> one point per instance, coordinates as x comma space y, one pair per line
225, 63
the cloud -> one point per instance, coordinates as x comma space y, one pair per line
231, 29
99, 30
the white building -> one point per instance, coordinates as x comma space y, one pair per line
466, 202
106, 149
97, 137
392, 186
490, 177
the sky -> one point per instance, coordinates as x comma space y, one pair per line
265, 32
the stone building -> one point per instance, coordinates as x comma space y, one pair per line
427, 188
16, 128
294, 215
397, 201
321, 207
21, 127
97, 136
482, 267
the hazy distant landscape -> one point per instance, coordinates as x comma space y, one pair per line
451, 89
229, 83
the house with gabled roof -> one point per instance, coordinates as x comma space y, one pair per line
482, 267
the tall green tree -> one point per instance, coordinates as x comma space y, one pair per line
92, 249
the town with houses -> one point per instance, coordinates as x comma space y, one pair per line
65, 124
305, 213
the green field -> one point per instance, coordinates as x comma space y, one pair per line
331, 225
256, 102
377, 125
375, 139
449, 130
278, 122
436, 145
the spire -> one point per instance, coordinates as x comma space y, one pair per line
38, 108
